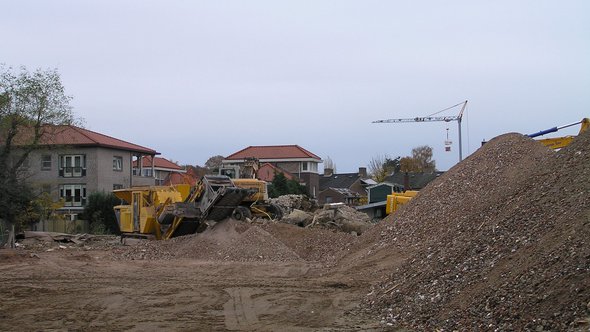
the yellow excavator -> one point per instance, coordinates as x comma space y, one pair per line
163, 212
560, 142
257, 203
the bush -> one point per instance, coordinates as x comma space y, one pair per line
100, 213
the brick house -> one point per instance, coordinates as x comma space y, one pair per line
73, 162
292, 159
161, 169
344, 187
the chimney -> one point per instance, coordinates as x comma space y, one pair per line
328, 172
363, 172
406, 181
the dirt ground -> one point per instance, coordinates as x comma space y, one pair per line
74, 289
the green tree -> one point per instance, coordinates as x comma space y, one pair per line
30, 102
280, 185
392, 165
380, 167
100, 213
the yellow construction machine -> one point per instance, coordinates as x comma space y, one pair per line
395, 200
560, 142
163, 212
257, 203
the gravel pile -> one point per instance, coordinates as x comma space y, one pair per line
500, 242
313, 245
229, 240
237, 241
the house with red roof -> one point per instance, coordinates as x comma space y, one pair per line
292, 160
72, 162
157, 167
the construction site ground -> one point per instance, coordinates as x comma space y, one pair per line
106, 286
500, 242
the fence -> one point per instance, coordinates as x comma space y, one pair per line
62, 226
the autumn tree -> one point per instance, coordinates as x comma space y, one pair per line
420, 161
30, 102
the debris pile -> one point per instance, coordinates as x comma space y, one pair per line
333, 216
51, 240
313, 245
236, 241
499, 242
288, 203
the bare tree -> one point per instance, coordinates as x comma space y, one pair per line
214, 163
329, 163
376, 169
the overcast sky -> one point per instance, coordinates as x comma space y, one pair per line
193, 79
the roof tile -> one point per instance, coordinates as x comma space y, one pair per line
159, 162
76, 136
273, 152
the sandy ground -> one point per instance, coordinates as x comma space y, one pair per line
73, 289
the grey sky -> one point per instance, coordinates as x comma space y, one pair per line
193, 79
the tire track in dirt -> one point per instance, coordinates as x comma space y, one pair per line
239, 310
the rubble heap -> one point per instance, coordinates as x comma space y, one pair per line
288, 203
499, 242
333, 216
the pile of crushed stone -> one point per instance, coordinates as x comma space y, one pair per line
238, 241
499, 242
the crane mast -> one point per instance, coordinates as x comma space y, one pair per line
457, 118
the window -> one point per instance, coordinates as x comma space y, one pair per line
46, 162
147, 172
309, 166
117, 186
73, 194
117, 163
72, 165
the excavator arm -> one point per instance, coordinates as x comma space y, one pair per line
560, 142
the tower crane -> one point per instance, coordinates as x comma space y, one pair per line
431, 118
